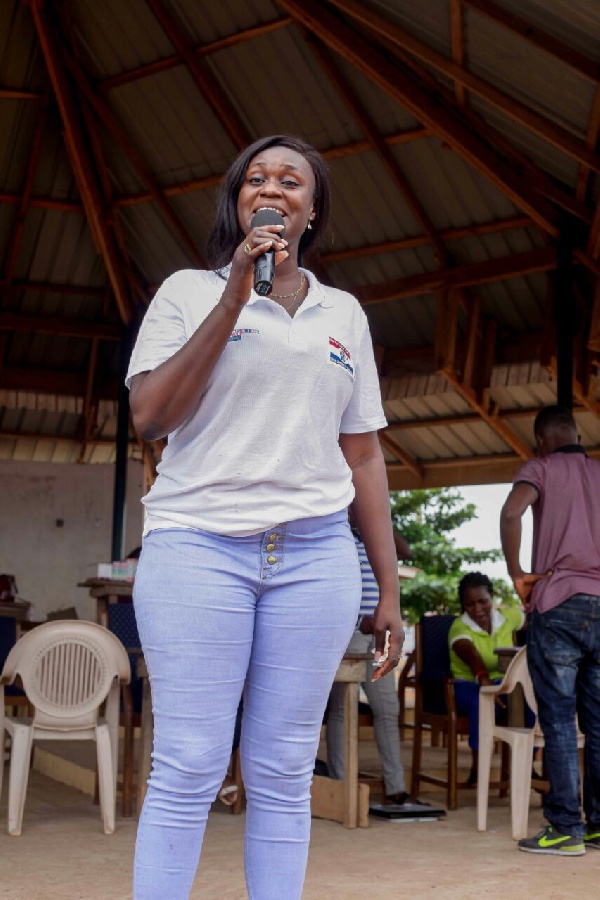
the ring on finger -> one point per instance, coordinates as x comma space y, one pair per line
247, 249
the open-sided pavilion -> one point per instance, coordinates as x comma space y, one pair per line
462, 140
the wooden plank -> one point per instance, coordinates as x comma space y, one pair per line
206, 82
423, 106
540, 260
546, 129
457, 33
81, 162
537, 37
392, 446
327, 800
70, 327
170, 62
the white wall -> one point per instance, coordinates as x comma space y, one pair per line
48, 561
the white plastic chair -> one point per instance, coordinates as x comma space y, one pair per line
522, 742
68, 669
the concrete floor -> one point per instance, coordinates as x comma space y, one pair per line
62, 854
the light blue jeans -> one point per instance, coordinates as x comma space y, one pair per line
271, 615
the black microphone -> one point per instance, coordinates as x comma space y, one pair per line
264, 265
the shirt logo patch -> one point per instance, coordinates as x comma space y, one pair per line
237, 334
340, 356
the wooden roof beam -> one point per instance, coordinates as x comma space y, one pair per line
170, 62
467, 275
420, 240
341, 151
459, 55
537, 37
54, 381
60, 325
7, 93
546, 129
424, 106
396, 450
117, 133
80, 158
18, 224
489, 413
206, 82
377, 143
591, 139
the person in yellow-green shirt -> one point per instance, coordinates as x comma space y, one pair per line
473, 640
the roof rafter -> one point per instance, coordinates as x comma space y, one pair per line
205, 80
393, 447
466, 275
425, 107
63, 325
377, 143
554, 134
459, 55
18, 223
170, 62
116, 131
537, 37
81, 162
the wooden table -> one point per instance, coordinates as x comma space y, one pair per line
15, 609
105, 591
341, 801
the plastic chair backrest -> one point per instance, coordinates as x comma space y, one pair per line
434, 662
67, 669
518, 673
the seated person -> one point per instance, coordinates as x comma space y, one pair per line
382, 694
473, 639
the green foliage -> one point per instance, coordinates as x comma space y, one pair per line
426, 519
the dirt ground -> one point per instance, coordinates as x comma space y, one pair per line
62, 854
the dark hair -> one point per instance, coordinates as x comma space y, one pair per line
226, 233
553, 417
474, 580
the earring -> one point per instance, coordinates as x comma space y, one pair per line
309, 226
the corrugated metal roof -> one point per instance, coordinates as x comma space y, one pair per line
178, 142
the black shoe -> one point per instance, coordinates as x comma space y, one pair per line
591, 838
396, 799
472, 778
549, 840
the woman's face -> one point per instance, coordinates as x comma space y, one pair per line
278, 178
477, 603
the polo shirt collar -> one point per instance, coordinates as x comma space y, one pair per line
570, 448
317, 295
497, 621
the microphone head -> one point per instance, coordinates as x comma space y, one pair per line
267, 216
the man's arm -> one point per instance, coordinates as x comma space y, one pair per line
521, 497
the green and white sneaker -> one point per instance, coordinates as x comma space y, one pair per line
549, 840
591, 838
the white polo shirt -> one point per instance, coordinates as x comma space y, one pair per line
262, 446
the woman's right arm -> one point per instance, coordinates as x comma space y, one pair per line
467, 652
162, 399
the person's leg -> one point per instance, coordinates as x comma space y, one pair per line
359, 643
195, 621
383, 700
305, 616
467, 704
589, 722
555, 650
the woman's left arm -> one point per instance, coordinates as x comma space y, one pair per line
372, 510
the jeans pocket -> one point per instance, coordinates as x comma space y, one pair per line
559, 636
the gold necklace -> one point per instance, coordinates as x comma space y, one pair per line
294, 294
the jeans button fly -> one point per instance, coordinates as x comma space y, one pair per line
271, 560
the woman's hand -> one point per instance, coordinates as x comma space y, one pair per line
257, 241
387, 619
